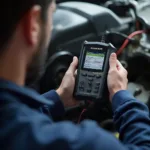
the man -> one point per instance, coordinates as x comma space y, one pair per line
25, 34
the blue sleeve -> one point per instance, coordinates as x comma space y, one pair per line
33, 130
132, 120
58, 108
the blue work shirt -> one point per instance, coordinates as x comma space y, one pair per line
24, 127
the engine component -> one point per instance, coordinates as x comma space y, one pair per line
56, 68
143, 12
78, 21
139, 92
121, 7
145, 43
97, 15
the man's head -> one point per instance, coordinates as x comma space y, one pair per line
25, 32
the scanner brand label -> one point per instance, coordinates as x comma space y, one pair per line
97, 48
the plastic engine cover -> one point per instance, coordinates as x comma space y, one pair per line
102, 18
75, 22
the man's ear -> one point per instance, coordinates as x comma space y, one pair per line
32, 26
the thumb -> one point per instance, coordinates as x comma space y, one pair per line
119, 65
113, 61
73, 65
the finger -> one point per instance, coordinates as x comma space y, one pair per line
113, 61
73, 65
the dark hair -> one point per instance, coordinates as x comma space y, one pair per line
11, 13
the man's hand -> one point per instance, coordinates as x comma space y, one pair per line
65, 91
117, 76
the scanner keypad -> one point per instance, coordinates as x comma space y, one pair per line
89, 82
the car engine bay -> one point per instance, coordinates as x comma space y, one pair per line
77, 21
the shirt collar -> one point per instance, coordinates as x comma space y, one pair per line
24, 94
